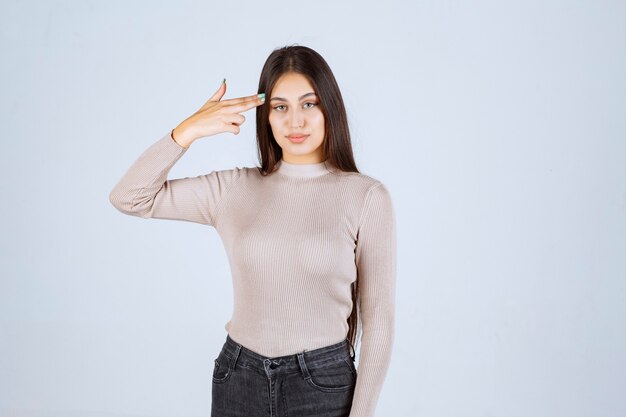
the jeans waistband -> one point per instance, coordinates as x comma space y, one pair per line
288, 363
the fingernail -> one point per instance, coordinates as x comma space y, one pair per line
224, 80
262, 97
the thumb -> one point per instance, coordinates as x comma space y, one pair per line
220, 92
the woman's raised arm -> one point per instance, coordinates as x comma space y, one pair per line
145, 191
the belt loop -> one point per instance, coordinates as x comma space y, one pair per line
237, 351
353, 354
305, 370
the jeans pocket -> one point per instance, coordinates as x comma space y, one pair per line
222, 368
336, 376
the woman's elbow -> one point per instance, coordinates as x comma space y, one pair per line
121, 201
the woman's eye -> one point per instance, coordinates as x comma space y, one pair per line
282, 106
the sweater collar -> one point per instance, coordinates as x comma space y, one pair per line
303, 170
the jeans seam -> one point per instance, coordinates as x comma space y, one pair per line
351, 366
328, 389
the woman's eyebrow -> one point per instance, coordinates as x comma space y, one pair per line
301, 97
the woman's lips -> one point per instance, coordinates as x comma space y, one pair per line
297, 139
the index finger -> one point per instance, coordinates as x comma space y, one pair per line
245, 105
238, 100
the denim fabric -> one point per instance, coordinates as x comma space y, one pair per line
312, 383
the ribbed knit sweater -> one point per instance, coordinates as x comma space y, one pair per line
295, 241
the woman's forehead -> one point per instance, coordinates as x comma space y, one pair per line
292, 84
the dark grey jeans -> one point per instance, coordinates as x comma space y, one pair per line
312, 383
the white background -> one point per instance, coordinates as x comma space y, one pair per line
498, 127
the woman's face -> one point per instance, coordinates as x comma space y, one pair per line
295, 112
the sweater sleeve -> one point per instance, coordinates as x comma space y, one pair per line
144, 190
375, 257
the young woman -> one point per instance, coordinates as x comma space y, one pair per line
311, 244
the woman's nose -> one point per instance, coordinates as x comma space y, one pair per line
297, 119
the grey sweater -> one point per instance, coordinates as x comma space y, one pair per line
295, 241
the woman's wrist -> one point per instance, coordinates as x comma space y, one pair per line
179, 136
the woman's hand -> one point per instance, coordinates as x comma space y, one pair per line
215, 116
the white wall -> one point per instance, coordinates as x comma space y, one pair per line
498, 127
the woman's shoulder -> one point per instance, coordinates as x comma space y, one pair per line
359, 180
237, 171
226, 178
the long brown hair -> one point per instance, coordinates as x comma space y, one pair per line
337, 146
